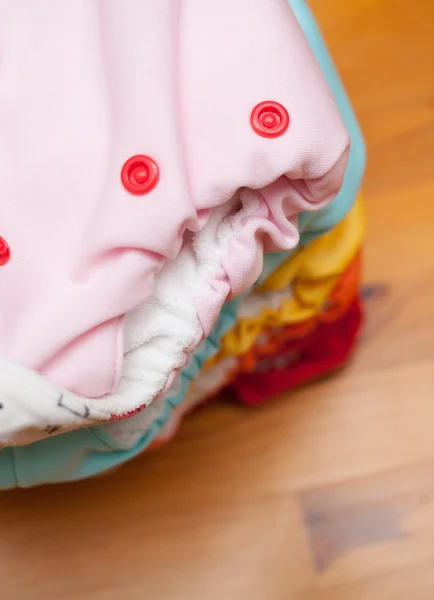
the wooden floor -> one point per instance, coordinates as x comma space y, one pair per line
328, 494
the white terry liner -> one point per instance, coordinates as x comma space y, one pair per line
129, 431
158, 334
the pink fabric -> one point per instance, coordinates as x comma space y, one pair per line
87, 84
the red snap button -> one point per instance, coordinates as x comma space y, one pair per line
270, 119
5, 252
140, 174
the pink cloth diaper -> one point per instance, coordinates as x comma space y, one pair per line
151, 152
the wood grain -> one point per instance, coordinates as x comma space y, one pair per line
326, 494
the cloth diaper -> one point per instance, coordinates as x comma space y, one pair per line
164, 175
297, 290
130, 262
281, 357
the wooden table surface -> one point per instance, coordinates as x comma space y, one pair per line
327, 494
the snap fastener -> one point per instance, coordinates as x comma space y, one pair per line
140, 175
270, 119
5, 252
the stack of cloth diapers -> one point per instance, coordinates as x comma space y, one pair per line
181, 214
